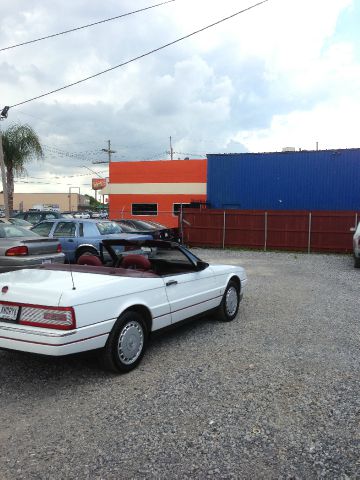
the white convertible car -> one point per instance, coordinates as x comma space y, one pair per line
113, 302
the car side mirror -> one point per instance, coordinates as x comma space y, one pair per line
200, 265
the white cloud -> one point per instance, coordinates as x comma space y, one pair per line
275, 76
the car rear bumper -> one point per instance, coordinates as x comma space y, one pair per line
51, 342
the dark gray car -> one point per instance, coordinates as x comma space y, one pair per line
35, 217
22, 248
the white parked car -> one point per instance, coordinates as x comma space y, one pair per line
81, 215
356, 244
113, 307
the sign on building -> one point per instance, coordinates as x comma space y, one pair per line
98, 183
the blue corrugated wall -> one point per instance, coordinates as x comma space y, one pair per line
304, 180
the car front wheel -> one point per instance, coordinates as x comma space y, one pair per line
230, 302
126, 343
356, 262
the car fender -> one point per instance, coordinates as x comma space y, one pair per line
94, 245
133, 303
224, 273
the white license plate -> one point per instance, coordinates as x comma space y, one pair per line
47, 260
8, 312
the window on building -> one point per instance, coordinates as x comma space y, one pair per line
144, 209
177, 207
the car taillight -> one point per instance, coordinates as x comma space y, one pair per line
16, 251
58, 248
61, 318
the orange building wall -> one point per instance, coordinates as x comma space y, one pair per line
163, 171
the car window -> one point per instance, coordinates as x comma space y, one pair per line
49, 216
65, 229
81, 229
43, 228
33, 217
10, 231
90, 230
107, 228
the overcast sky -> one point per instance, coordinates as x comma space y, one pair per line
285, 74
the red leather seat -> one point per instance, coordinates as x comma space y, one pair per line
137, 262
90, 260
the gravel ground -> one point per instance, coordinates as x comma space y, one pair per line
273, 394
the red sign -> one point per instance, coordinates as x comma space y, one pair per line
98, 183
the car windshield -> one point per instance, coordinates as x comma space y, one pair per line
20, 222
11, 231
155, 224
108, 228
163, 258
127, 228
144, 225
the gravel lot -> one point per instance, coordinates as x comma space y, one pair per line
273, 394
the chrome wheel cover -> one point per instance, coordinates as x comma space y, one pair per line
131, 342
231, 301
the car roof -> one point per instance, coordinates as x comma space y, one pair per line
76, 220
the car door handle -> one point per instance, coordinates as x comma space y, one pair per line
171, 282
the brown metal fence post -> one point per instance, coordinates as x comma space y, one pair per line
224, 230
265, 230
309, 234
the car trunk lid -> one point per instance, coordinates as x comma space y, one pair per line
40, 246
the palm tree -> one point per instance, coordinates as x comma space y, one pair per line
20, 144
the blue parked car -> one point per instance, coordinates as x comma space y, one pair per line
82, 236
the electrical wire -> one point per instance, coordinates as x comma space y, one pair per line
140, 56
84, 26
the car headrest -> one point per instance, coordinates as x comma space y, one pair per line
93, 260
137, 262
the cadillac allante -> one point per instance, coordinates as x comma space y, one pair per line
113, 302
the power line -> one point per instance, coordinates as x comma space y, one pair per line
57, 177
84, 26
140, 56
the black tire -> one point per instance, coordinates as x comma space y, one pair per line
230, 302
128, 337
356, 262
86, 251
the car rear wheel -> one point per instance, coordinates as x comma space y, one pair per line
126, 343
230, 302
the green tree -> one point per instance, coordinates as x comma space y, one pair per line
20, 145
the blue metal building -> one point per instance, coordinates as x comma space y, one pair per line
303, 180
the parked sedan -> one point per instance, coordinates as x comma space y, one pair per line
81, 215
22, 248
17, 221
82, 236
36, 217
158, 231
58, 310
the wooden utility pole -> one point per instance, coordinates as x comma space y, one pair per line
171, 151
108, 150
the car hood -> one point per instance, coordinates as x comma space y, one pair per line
56, 288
